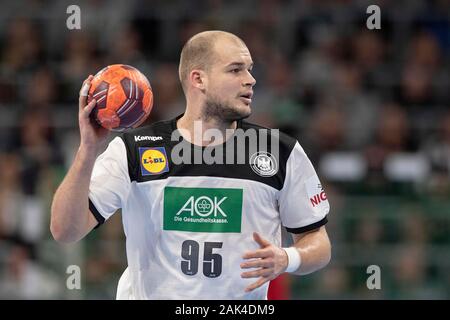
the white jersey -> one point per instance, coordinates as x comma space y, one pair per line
187, 226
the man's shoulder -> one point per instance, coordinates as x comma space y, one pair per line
285, 140
157, 131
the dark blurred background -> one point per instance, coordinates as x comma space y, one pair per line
370, 108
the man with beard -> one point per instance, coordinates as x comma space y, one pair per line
195, 229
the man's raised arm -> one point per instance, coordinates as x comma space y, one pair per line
71, 219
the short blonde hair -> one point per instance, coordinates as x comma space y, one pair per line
198, 53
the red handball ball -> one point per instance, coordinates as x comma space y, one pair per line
124, 97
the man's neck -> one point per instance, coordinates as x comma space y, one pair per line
198, 130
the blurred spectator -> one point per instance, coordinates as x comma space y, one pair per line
369, 231
22, 278
368, 51
392, 135
334, 282
42, 90
168, 99
410, 274
437, 149
79, 61
415, 228
424, 51
326, 130
277, 104
358, 106
10, 192
22, 48
415, 88
126, 48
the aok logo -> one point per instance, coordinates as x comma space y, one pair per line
318, 198
203, 206
203, 209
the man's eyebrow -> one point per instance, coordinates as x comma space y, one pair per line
239, 64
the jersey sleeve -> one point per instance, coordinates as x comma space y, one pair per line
302, 200
110, 181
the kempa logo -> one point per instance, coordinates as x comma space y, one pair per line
202, 209
147, 138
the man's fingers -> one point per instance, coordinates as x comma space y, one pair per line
88, 109
84, 91
257, 284
89, 78
263, 272
257, 263
260, 253
86, 84
260, 240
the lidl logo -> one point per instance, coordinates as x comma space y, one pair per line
202, 209
153, 160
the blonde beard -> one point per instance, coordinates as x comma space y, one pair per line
214, 109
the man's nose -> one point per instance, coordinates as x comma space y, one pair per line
250, 80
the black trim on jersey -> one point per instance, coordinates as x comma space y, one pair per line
160, 128
164, 129
310, 227
96, 214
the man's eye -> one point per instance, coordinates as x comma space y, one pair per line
235, 70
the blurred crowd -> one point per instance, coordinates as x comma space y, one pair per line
370, 107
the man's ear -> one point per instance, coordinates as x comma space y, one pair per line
198, 79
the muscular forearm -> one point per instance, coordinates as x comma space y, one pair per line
314, 249
70, 210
